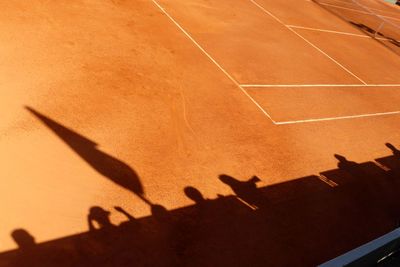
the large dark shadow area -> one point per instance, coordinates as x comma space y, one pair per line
302, 222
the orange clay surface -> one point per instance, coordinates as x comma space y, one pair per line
124, 76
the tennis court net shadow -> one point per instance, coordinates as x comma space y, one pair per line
302, 222
375, 25
374, 33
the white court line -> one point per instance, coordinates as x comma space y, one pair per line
382, 10
212, 59
307, 41
247, 204
362, 12
326, 180
246, 93
346, 8
339, 118
317, 85
336, 32
355, 5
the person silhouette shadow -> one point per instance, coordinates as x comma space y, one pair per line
194, 194
344, 163
203, 206
394, 150
245, 190
29, 253
106, 240
99, 218
23, 239
351, 167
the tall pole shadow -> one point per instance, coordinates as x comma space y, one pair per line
108, 166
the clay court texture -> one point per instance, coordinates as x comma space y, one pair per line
127, 103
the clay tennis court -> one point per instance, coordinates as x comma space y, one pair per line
144, 104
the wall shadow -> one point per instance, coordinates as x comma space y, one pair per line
302, 222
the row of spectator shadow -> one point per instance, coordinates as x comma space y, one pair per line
302, 222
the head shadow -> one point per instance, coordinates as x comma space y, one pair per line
99, 218
23, 239
194, 194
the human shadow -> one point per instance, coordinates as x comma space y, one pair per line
110, 167
364, 184
99, 218
350, 173
391, 163
29, 253
194, 194
23, 239
106, 243
394, 150
247, 190
300, 222
350, 166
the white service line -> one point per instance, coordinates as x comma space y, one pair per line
316, 85
336, 32
339, 118
241, 87
212, 59
307, 41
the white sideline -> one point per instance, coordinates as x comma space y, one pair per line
316, 85
339, 118
241, 87
307, 41
336, 32
212, 59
